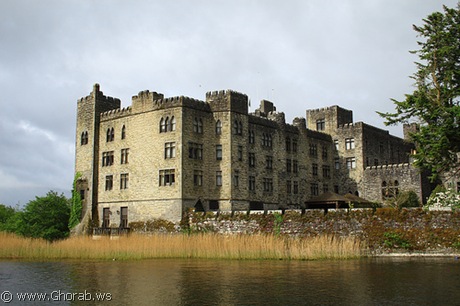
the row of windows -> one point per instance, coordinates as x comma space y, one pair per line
326, 170
124, 179
167, 124
313, 150
110, 134
108, 157
349, 161
390, 189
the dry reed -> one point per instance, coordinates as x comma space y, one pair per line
204, 246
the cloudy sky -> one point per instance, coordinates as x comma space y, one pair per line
299, 54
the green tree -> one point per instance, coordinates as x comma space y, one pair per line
45, 217
6, 214
434, 104
76, 207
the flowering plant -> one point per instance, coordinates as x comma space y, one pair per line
444, 199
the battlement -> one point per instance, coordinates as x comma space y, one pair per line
116, 113
227, 100
148, 101
390, 166
98, 94
350, 125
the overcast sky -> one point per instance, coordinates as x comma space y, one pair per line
299, 54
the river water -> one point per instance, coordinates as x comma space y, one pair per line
374, 281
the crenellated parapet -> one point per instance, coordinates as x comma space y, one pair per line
149, 101
227, 100
116, 113
389, 166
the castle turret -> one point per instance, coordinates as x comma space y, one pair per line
87, 154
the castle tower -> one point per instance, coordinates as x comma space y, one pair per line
87, 139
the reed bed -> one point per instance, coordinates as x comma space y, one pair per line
202, 246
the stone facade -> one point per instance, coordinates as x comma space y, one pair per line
160, 156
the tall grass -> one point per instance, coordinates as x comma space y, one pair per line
204, 246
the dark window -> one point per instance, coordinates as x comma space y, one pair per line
218, 178
195, 150
109, 182
106, 217
107, 158
124, 156
170, 150
84, 138
218, 127
167, 177
219, 152
320, 125
124, 217
198, 178
123, 132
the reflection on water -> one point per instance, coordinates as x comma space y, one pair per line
218, 282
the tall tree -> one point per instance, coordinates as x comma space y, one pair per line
434, 104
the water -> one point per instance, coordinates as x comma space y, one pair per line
384, 281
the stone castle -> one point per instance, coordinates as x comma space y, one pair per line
160, 156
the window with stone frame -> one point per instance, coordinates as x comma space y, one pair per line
288, 165
198, 178
170, 150
326, 171
236, 178
252, 183
252, 160
107, 158
320, 124
295, 166
219, 152
167, 177
288, 144
172, 124
124, 179
240, 153
314, 169
195, 150
294, 145
123, 132
218, 127
351, 162
288, 187
124, 156
313, 149
324, 152
314, 189
268, 162
84, 138
252, 137
268, 185
349, 143
296, 187
108, 182
218, 178
110, 135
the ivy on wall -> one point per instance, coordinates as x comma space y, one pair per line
76, 208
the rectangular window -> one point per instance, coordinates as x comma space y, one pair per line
325, 188
252, 183
320, 124
288, 144
252, 137
349, 143
195, 150
170, 150
337, 163
106, 217
198, 178
314, 169
324, 153
336, 144
294, 145
219, 152
124, 217
124, 156
288, 165
124, 178
326, 171
236, 178
108, 182
296, 187
268, 184
351, 163
288, 187
107, 158
314, 189
269, 162
240, 153
218, 178
295, 166
252, 160
313, 150
167, 177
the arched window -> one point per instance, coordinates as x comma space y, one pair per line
172, 124
108, 135
384, 190
218, 127
112, 134
123, 132
162, 125
84, 138
166, 124
235, 127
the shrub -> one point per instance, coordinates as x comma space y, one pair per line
446, 198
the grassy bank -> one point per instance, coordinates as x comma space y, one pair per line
204, 246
